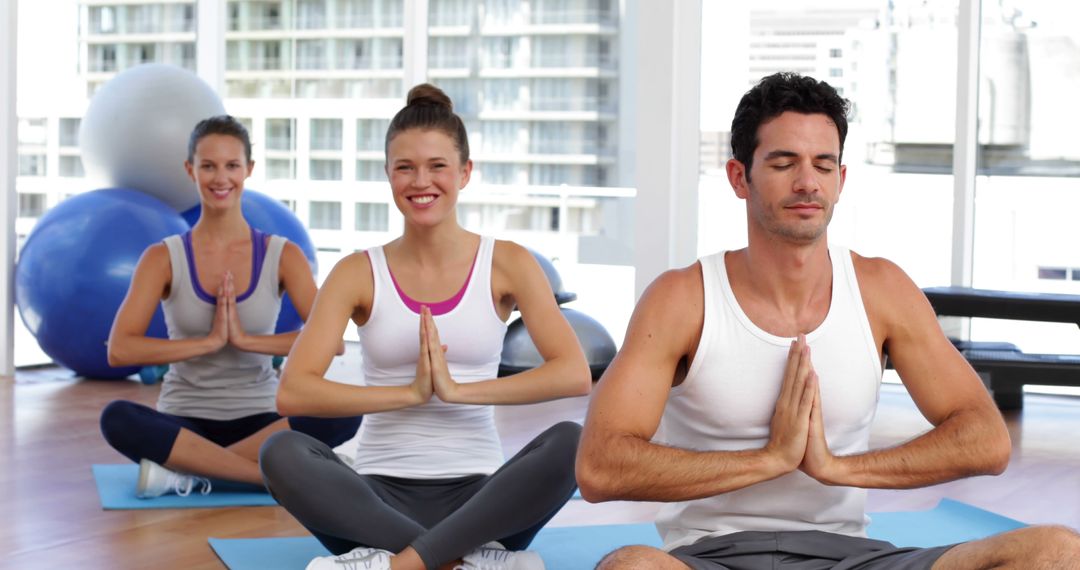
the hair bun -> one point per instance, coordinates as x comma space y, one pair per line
428, 94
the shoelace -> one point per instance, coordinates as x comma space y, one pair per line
482, 566
493, 559
184, 485
368, 561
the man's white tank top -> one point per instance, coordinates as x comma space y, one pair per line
727, 401
434, 440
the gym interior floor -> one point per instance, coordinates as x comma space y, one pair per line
51, 516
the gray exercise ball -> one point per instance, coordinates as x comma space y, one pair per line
519, 353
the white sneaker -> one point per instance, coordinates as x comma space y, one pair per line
361, 558
493, 556
155, 481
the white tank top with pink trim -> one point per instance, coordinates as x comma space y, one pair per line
727, 401
437, 439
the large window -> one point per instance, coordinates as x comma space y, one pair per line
1028, 164
316, 83
296, 38
69, 132
325, 215
325, 169
326, 134
372, 217
900, 76
31, 164
31, 205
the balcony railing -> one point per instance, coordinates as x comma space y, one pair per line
255, 64
591, 104
279, 143
448, 61
311, 22
547, 60
367, 21
144, 27
449, 18
312, 62
180, 25
99, 66
237, 24
572, 17
569, 146
381, 62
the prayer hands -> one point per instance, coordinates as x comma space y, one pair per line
432, 372
219, 329
790, 426
226, 328
422, 384
797, 430
818, 462
445, 387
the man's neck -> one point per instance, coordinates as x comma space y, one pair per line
789, 277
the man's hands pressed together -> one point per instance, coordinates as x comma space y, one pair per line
797, 430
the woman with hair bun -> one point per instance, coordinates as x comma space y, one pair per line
429, 486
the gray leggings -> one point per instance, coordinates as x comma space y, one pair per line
442, 519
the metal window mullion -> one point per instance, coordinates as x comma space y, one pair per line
210, 17
415, 46
966, 147
9, 163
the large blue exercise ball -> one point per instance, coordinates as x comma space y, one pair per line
75, 269
271, 216
135, 131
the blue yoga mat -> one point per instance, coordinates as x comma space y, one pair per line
563, 548
948, 523
116, 488
572, 548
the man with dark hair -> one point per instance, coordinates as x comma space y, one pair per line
745, 389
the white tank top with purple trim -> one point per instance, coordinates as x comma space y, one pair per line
437, 439
727, 401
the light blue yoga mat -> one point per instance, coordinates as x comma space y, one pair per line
948, 523
572, 548
563, 548
116, 488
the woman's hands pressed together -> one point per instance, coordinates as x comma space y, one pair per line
227, 328
432, 371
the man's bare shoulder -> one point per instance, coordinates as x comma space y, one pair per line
886, 289
878, 272
678, 290
670, 311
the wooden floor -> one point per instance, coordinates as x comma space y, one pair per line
50, 516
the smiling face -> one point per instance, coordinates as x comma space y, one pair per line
426, 173
219, 168
796, 177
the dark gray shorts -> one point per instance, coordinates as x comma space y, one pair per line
804, 550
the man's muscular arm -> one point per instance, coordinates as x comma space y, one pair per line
617, 460
968, 438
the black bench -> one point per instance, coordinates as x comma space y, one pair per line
1003, 366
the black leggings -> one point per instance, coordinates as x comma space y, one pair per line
140, 432
442, 519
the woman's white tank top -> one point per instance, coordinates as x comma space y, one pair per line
434, 440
